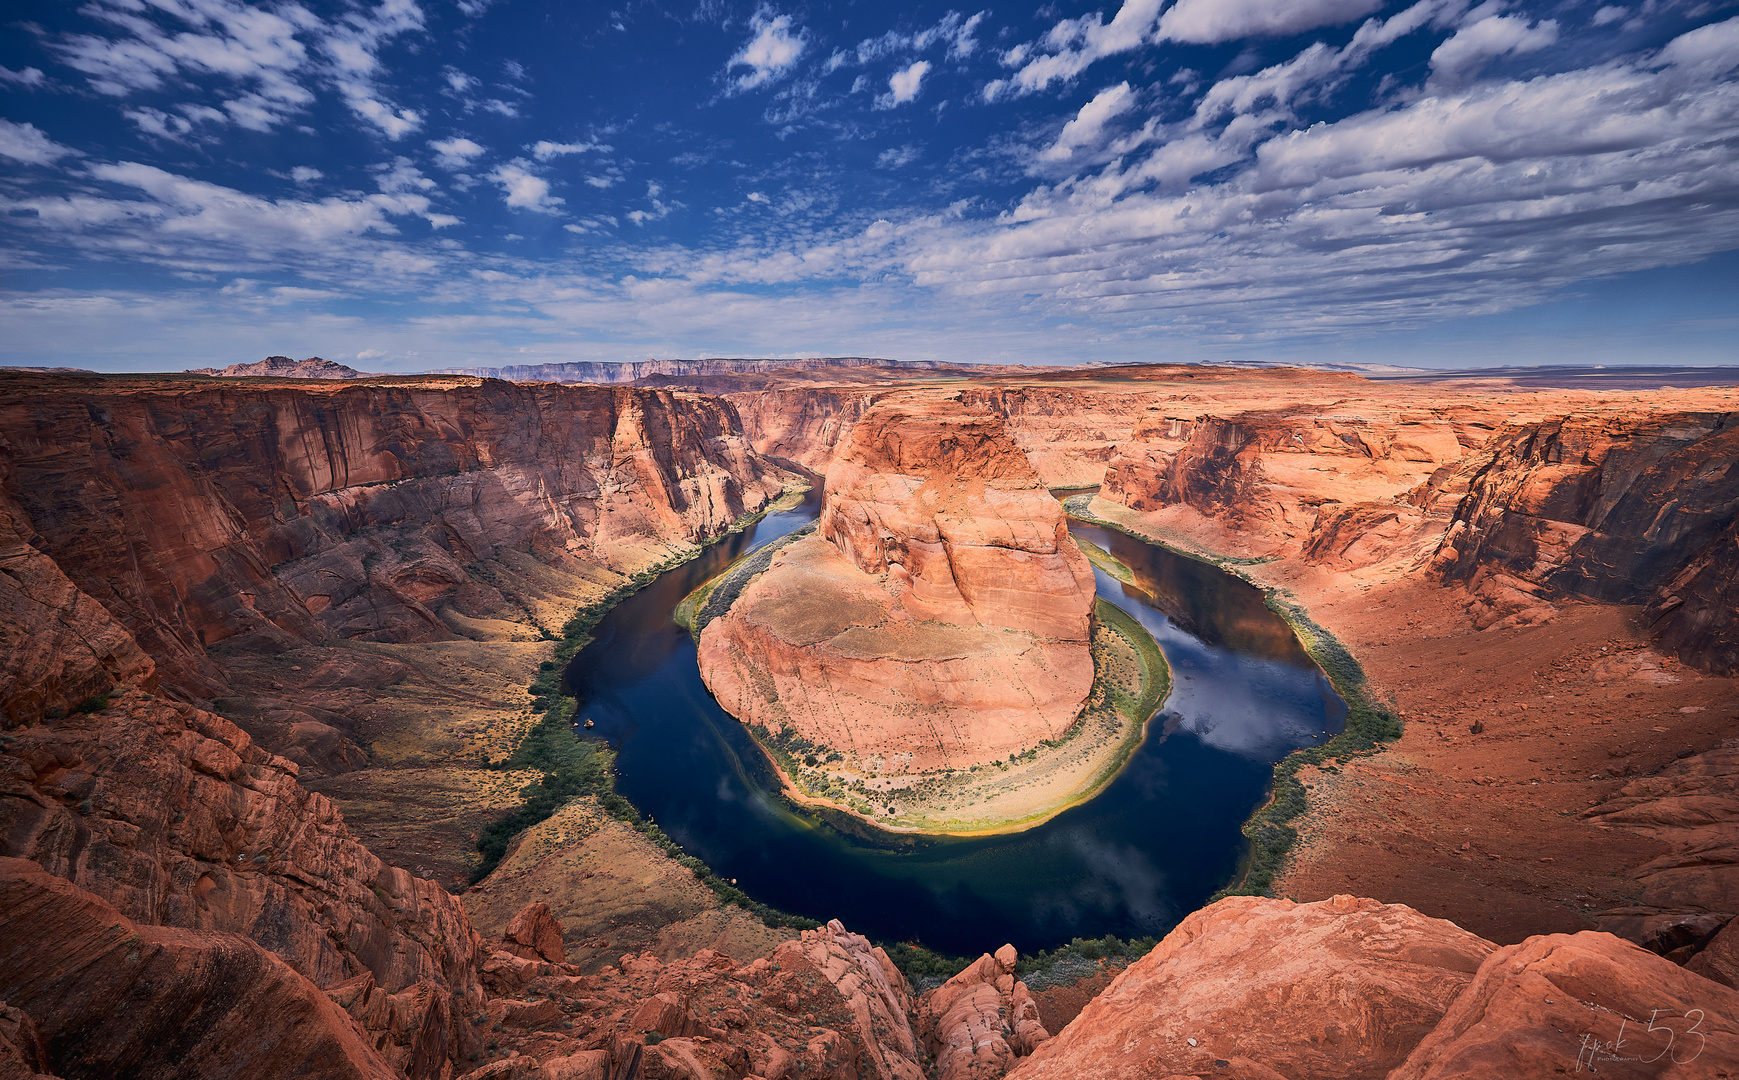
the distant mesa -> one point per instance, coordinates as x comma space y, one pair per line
600, 371
282, 367
940, 618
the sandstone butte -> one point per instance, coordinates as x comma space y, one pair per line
219, 596
939, 618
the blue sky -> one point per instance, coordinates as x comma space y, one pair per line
405, 185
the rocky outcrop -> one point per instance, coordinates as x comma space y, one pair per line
980, 1021
872, 991
247, 520
58, 647
534, 934
1588, 1002
1615, 509
173, 816
113, 998
939, 619
1265, 988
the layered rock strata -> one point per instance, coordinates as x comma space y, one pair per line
258, 519
108, 997
1615, 509
939, 619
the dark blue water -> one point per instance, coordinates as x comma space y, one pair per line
1132, 861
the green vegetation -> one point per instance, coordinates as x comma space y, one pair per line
94, 703
1369, 722
1106, 561
1080, 957
721, 592
1155, 672
924, 968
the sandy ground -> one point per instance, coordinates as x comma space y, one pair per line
614, 892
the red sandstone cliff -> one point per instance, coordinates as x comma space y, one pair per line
228, 521
1624, 510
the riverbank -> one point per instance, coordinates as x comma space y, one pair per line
1131, 680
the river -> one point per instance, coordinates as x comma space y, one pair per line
1131, 861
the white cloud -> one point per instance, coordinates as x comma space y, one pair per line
28, 77
544, 150
896, 157
1076, 43
1609, 14
770, 53
1474, 45
394, 124
758, 197
1209, 22
455, 153
1087, 129
1710, 51
903, 84
525, 190
27, 143
262, 61
303, 174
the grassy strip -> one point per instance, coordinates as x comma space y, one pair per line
1369, 723
1155, 672
723, 591
1105, 561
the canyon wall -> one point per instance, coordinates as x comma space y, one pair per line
940, 616
1630, 509
244, 520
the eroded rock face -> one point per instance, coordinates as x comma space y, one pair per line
113, 998
257, 518
174, 816
1621, 510
1692, 806
1261, 988
939, 618
1322, 481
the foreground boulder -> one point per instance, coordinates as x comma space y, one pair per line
1585, 1002
940, 618
1264, 988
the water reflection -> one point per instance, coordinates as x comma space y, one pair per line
1132, 861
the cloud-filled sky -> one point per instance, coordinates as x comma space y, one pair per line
407, 184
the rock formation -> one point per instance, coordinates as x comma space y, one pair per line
282, 367
115, 998
1264, 989
940, 618
1621, 510
1341, 988
227, 522
980, 1021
